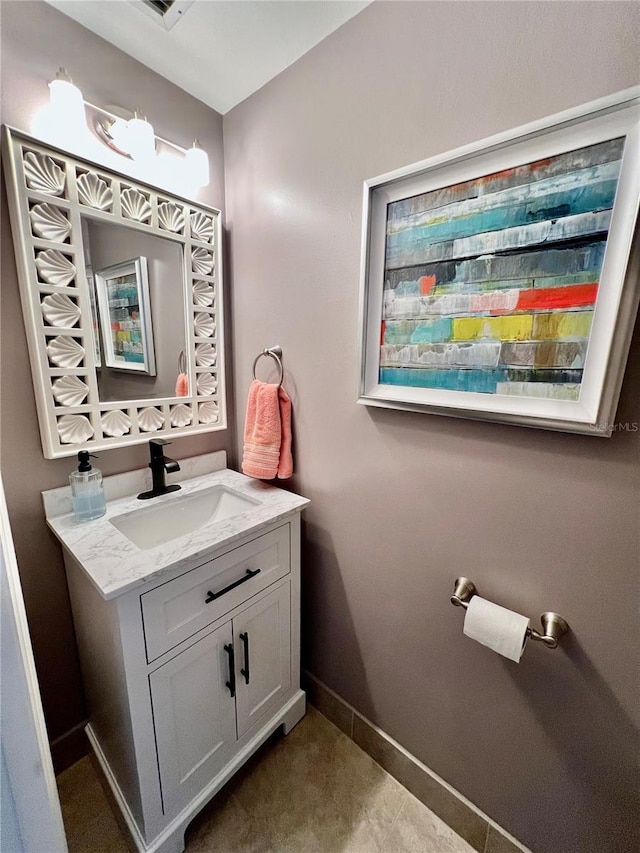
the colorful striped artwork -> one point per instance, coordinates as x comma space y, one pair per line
490, 285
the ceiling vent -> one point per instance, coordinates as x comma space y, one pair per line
167, 13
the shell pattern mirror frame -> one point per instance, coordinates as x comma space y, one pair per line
48, 190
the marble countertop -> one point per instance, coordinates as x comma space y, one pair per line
115, 565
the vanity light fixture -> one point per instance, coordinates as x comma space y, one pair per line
141, 140
197, 163
66, 100
63, 119
71, 122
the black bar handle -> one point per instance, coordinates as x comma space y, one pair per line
245, 642
231, 684
211, 596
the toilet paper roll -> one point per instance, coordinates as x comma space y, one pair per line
496, 627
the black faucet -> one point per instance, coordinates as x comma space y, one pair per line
160, 465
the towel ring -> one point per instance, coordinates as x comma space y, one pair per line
276, 354
182, 362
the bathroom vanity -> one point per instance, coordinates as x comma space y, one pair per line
190, 645
186, 606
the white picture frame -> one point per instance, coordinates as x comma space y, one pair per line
125, 316
604, 347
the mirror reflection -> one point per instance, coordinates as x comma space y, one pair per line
136, 287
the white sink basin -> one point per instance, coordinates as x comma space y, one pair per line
155, 525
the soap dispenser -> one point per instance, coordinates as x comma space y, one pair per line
87, 493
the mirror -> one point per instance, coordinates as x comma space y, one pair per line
121, 291
137, 295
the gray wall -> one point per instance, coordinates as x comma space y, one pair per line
401, 502
36, 39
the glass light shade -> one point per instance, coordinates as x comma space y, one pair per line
67, 121
197, 166
67, 114
64, 95
62, 121
141, 140
119, 132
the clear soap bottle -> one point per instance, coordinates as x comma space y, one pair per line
87, 493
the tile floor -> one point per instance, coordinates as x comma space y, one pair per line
314, 791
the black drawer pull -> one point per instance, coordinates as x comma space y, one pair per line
231, 684
245, 642
211, 596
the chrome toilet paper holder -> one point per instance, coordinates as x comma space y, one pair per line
553, 625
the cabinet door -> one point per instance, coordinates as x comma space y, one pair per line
262, 640
194, 716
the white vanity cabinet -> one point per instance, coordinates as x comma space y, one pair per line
215, 691
194, 717
186, 675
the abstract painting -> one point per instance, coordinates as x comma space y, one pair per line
489, 285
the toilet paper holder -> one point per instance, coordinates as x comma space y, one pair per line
553, 625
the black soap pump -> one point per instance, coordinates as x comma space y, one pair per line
87, 492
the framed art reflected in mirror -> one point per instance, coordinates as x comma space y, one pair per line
125, 319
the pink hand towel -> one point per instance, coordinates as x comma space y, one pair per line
285, 464
267, 432
182, 385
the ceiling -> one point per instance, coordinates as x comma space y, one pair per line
220, 51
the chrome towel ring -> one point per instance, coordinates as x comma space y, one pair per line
276, 354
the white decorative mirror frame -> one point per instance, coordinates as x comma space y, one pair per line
48, 190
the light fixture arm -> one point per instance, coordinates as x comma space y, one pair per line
112, 117
68, 117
